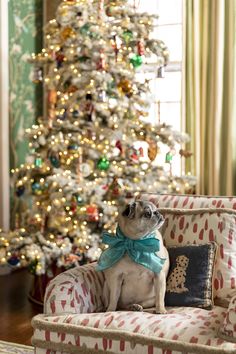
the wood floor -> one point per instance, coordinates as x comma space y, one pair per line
16, 310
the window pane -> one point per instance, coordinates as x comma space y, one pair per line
170, 113
170, 11
147, 6
169, 88
171, 35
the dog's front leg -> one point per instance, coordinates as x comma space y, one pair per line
114, 283
160, 289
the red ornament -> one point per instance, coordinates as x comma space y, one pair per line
92, 212
119, 146
101, 65
73, 207
141, 48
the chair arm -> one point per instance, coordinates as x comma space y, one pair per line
228, 330
78, 290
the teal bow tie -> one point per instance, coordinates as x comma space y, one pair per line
141, 251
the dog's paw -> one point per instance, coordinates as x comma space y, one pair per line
161, 311
136, 307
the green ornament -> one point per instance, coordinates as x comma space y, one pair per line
127, 36
85, 29
136, 60
169, 157
38, 162
83, 59
103, 164
55, 161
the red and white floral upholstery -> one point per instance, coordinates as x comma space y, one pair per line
73, 321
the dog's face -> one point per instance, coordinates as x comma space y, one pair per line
139, 218
182, 261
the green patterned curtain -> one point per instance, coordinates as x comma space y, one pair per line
25, 37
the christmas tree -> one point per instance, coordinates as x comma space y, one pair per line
94, 147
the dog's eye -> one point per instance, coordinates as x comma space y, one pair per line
147, 214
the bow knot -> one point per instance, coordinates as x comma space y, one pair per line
141, 251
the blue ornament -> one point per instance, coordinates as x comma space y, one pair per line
36, 188
20, 191
73, 147
13, 260
75, 114
79, 200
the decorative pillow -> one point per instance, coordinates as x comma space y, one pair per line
189, 281
199, 226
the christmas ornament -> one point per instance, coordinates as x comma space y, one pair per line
152, 150
119, 146
67, 32
169, 157
72, 89
185, 153
88, 108
125, 87
141, 48
20, 191
85, 29
101, 64
75, 114
73, 148
114, 9
52, 96
79, 199
135, 153
86, 168
136, 60
102, 96
55, 161
36, 188
127, 36
73, 206
59, 58
114, 189
92, 212
103, 164
13, 260
38, 161
83, 58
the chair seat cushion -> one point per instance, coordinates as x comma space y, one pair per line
182, 329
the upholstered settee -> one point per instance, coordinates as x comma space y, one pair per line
74, 320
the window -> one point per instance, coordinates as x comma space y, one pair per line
166, 92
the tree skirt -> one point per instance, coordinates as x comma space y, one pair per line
15, 348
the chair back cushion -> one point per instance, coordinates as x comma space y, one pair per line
199, 221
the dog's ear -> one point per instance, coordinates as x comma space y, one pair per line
129, 211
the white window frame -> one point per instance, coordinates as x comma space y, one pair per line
4, 119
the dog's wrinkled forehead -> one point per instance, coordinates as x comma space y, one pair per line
138, 207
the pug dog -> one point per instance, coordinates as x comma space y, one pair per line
130, 285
